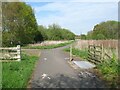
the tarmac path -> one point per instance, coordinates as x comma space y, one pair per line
53, 71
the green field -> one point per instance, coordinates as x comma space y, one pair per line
17, 74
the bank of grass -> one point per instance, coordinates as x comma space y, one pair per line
109, 68
17, 74
48, 46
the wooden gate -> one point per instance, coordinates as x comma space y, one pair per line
97, 54
10, 54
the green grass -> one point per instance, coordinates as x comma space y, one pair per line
80, 53
17, 74
109, 68
49, 46
110, 71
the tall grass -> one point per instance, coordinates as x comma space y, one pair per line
17, 74
110, 71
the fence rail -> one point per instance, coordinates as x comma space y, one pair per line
10, 53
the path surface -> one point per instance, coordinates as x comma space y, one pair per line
53, 71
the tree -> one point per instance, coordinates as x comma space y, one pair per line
19, 22
43, 31
83, 36
55, 32
100, 37
104, 30
38, 37
67, 35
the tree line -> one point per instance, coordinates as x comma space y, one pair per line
102, 31
53, 32
20, 26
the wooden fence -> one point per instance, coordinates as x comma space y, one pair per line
11, 53
82, 44
97, 54
108, 47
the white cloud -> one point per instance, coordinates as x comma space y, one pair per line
78, 17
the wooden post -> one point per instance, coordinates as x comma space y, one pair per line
70, 52
94, 50
89, 49
116, 51
19, 52
102, 56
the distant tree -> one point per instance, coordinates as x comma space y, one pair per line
67, 35
104, 30
89, 35
38, 37
55, 32
83, 36
100, 37
43, 31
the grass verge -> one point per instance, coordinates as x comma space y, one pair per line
109, 69
49, 46
17, 74
79, 53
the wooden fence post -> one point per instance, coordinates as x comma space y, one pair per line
102, 56
19, 52
116, 51
94, 51
70, 52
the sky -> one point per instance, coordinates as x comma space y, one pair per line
77, 16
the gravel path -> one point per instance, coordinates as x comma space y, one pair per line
53, 71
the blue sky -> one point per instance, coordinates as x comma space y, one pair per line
78, 17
